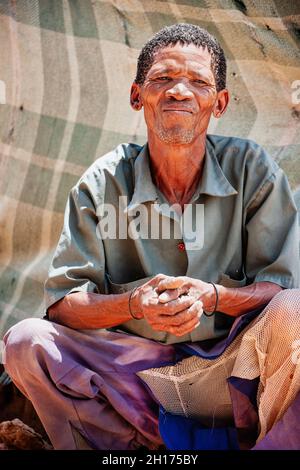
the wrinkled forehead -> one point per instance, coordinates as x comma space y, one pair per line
182, 57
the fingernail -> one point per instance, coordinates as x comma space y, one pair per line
163, 297
196, 326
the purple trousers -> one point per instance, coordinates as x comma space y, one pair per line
85, 380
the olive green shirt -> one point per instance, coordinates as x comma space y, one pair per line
249, 233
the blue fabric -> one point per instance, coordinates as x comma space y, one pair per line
244, 403
180, 433
247, 387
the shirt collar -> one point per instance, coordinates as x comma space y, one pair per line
144, 188
213, 181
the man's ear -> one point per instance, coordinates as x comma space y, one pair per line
135, 97
221, 103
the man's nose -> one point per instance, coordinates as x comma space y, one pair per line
179, 91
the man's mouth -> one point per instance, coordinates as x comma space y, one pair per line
178, 110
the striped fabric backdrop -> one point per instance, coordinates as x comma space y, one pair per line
65, 74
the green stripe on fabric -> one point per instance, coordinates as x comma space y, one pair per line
84, 144
94, 86
110, 22
47, 14
110, 139
254, 43
56, 74
28, 220
117, 25
241, 104
26, 124
9, 279
21, 128
94, 89
52, 15
13, 174
287, 7
158, 20
21, 10
36, 185
18, 126
83, 19
191, 3
281, 152
67, 182
7, 126
213, 29
85, 140
49, 136
257, 43
291, 166
294, 29
248, 7
275, 8
32, 289
126, 27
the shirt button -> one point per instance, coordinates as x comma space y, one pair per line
181, 246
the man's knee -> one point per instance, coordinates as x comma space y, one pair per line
22, 343
284, 314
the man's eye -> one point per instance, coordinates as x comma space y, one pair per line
163, 78
201, 82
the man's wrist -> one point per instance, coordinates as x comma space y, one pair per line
134, 307
210, 299
216, 300
226, 296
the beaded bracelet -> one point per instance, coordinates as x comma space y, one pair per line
216, 304
131, 294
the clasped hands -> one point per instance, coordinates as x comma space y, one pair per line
172, 304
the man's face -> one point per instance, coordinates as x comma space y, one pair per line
179, 94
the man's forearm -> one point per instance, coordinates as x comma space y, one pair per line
81, 310
236, 301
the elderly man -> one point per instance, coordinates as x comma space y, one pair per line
174, 326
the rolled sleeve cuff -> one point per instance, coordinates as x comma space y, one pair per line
52, 298
287, 282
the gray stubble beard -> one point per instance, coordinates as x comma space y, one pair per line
176, 135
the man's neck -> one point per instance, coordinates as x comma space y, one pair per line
176, 169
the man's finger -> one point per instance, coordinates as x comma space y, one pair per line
156, 279
168, 295
196, 308
181, 330
175, 306
171, 294
186, 328
170, 283
181, 318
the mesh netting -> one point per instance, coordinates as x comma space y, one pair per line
197, 388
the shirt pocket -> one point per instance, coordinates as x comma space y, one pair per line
120, 288
227, 281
